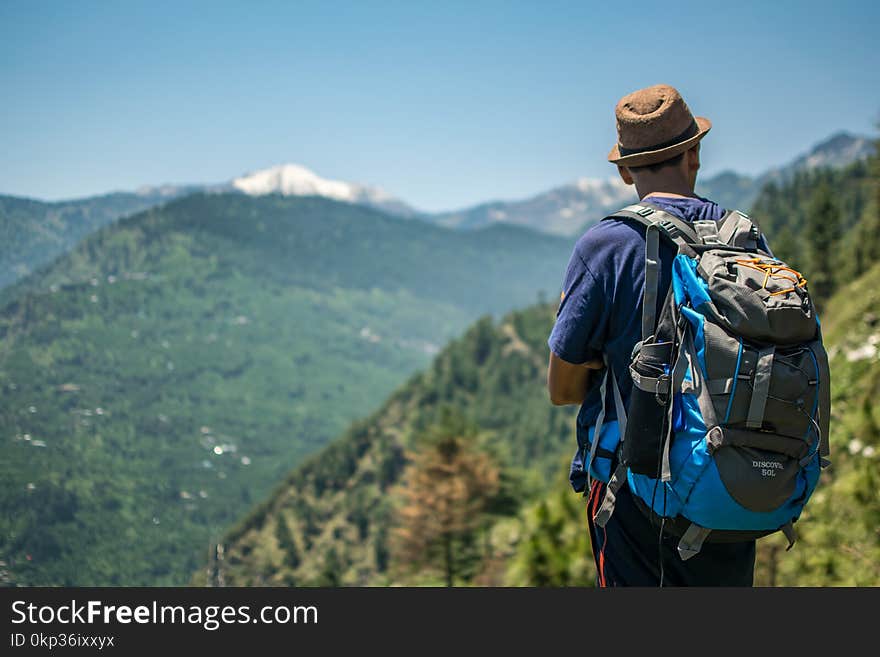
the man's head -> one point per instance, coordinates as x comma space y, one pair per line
658, 141
673, 175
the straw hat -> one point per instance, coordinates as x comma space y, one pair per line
653, 125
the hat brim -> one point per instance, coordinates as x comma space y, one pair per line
655, 157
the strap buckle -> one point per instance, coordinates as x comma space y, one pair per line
662, 384
671, 229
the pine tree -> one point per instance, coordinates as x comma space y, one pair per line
380, 550
446, 488
875, 174
331, 571
785, 247
286, 543
542, 549
553, 548
823, 234
866, 236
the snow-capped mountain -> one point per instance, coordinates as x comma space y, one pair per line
288, 180
561, 210
297, 180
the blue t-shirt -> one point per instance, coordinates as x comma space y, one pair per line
601, 308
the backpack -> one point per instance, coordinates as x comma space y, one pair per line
726, 428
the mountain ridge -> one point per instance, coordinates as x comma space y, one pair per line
37, 231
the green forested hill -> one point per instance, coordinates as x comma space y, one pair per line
162, 377
789, 216
338, 507
32, 233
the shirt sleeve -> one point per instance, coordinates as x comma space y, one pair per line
581, 319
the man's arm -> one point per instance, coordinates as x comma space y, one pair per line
578, 336
568, 383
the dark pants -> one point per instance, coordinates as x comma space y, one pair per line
629, 551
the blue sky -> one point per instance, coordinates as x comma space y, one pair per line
443, 104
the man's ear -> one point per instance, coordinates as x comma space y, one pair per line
625, 175
693, 158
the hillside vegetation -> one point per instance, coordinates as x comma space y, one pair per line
825, 222
339, 506
160, 379
33, 233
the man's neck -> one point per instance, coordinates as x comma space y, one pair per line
670, 195
671, 186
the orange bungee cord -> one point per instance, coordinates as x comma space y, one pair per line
772, 268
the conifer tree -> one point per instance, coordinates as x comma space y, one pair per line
553, 548
822, 233
286, 543
331, 572
866, 235
447, 486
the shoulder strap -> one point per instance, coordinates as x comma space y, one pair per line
657, 222
675, 229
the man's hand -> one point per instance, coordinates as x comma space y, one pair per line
568, 383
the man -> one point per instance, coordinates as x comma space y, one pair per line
599, 321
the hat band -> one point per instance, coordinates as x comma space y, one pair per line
691, 130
